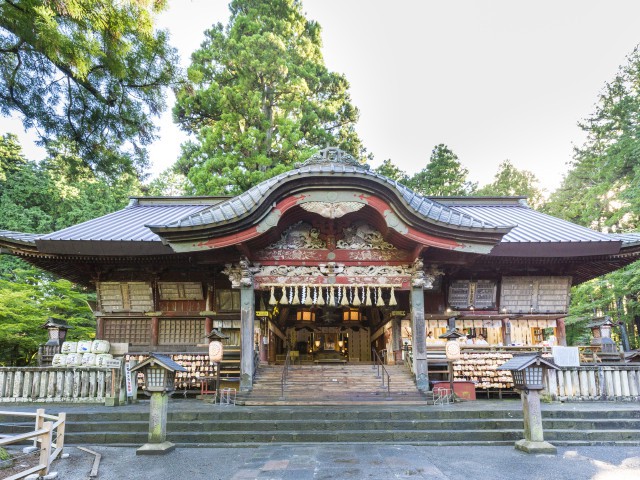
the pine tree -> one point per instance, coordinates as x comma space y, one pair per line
444, 175
259, 99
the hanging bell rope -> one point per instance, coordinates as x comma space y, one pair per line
368, 297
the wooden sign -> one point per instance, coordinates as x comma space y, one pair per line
113, 363
398, 313
262, 313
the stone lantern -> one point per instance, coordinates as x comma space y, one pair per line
57, 330
528, 374
601, 331
159, 378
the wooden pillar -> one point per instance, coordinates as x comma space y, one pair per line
155, 329
247, 318
395, 357
561, 332
419, 340
99, 328
208, 325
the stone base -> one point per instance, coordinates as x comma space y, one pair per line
535, 447
111, 401
155, 448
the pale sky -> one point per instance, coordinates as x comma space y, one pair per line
492, 79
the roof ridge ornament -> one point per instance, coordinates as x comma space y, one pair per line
332, 155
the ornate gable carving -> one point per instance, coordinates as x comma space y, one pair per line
297, 236
332, 210
362, 236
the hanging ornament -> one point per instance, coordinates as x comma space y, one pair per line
345, 301
296, 299
356, 299
331, 299
392, 298
379, 300
284, 300
308, 301
368, 297
319, 297
272, 298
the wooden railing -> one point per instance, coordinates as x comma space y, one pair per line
48, 437
54, 384
597, 382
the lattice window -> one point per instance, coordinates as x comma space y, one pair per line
135, 331
228, 300
175, 331
180, 290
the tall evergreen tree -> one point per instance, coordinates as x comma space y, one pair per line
510, 181
259, 99
602, 191
444, 175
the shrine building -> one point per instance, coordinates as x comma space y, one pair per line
330, 260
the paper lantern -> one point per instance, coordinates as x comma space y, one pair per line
216, 350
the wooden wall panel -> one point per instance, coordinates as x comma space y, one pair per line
535, 294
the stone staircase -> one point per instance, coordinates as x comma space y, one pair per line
332, 384
193, 423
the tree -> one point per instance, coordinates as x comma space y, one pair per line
602, 191
38, 198
510, 181
259, 99
389, 170
444, 175
90, 72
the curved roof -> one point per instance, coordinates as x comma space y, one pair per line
330, 164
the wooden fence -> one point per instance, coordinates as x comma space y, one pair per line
598, 382
53, 384
48, 437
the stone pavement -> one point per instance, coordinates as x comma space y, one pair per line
355, 461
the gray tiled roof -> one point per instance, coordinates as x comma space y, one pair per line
533, 226
125, 225
628, 239
19, 237
247, 202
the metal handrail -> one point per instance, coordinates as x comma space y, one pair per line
377, 363
285, 373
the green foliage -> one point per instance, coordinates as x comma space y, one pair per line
26, 303
389, 170
168, 183
39, 198
510, 181
259, 99
602, 191
90, 72
444, 175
